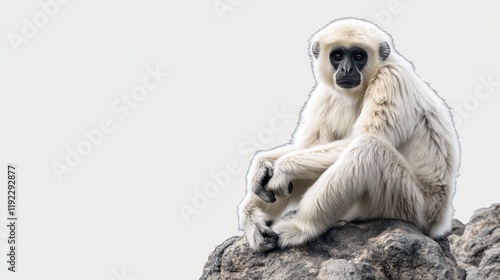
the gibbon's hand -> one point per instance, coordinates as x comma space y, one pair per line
262, 172
280, 183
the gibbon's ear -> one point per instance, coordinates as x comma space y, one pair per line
384, 50
315, 49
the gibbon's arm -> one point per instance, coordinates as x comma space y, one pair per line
312, 162
390, 107
263, 162
306, 164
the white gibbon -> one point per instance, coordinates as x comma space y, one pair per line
373, 141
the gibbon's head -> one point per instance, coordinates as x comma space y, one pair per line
347, 52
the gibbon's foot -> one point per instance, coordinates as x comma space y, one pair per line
262, 239
268, 240
289, 234
260, 187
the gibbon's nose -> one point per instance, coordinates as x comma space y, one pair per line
346, 67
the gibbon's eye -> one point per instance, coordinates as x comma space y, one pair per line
337, 56
359, 57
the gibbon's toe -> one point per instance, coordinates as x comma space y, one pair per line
269, 241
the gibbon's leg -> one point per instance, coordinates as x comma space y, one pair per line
370, 179
304, 167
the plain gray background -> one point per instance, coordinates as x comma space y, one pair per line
239, 74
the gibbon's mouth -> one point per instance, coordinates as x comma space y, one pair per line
348, 83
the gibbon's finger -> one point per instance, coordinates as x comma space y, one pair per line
260, 188
269, 172
284, 189
267, 196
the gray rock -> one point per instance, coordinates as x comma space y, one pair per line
338, 269
458, 228
380, 249
477, 249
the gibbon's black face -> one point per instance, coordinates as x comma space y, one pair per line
348, 62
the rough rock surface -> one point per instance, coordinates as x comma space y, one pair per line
381, 249
477, 248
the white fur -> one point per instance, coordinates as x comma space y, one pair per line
385, 149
